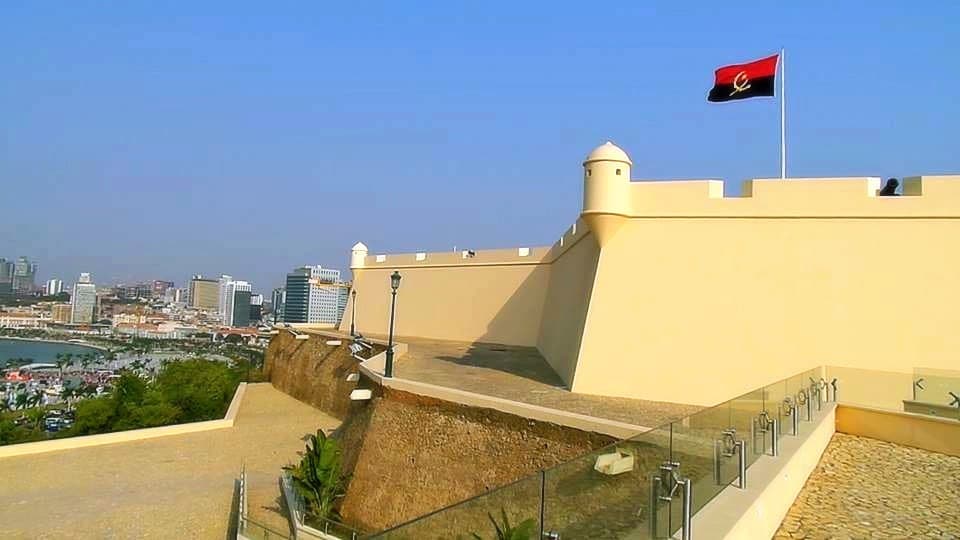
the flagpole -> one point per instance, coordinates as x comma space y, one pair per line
783, 115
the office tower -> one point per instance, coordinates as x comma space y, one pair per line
53, 286
203, 293
277, 301
222, 302
314, 296
24, 273
237, 311
159, 288
6, 279
6, 270
83, 302
256, 308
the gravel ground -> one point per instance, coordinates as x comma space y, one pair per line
172, 487
865, 488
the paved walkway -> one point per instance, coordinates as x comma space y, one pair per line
865, 488
179, 486
521, 374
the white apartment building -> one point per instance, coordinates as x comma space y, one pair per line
229, 313
83, 302
223, 282
53, 286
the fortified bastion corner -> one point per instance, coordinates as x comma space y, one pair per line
610, 196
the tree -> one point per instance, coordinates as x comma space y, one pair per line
94, 416
200, 388
63, 360
35, 418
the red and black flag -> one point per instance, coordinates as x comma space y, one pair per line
742, 81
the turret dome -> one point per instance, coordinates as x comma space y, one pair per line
608, 152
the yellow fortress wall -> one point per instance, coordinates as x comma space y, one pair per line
668, 289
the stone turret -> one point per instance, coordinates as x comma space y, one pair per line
357, 255
606, 190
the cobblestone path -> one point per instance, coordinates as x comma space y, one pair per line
865, 488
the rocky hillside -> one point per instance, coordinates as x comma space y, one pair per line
410, 455
312, 371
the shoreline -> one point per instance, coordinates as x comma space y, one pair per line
60, 341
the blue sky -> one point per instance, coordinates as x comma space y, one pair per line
150, 140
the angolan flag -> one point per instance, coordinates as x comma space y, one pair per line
742, 81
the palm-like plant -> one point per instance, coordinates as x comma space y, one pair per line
524, 531
34, 398
317, 477
20, 401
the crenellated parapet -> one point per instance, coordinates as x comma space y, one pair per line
854, 197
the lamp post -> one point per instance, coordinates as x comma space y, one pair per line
353, 313
394, 285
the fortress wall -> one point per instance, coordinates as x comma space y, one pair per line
567, 301
497, 303
708, 307
494, 296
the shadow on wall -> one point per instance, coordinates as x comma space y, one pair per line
552, 301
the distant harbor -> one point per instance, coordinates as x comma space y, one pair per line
39, 350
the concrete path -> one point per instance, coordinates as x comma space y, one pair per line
172, 487
521, 374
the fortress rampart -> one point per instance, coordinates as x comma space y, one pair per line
670, 288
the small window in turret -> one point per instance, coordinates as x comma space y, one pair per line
589, 172
618, 172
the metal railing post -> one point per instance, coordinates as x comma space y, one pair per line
543, 490
688, 509
654, 497
775, 446
741, 446
795, 420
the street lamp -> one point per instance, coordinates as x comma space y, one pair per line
394, 285
353, 314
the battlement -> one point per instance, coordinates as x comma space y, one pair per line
923, 196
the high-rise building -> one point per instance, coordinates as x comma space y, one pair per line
203, 293
256, 308
160, 287
83, 302
24, 274
237, 312
277, 302
53, 287
6, 270
314, 295
222, 295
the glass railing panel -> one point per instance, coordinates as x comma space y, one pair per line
704, 444
773, 402
253, 530
746, 416
886, 390
476, 517
936, 392
607, 493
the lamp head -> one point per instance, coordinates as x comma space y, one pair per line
395, 280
